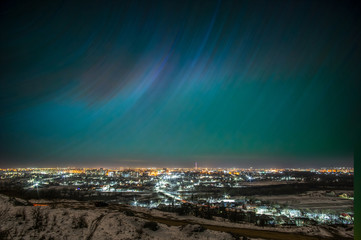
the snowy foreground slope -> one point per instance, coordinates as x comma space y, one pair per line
26, 222
64, 222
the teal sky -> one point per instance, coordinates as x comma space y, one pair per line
168, 83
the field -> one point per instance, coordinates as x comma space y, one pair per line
313, 200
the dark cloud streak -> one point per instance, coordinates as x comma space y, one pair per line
166, 81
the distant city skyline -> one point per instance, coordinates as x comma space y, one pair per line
170, 83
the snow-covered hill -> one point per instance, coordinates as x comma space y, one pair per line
28, 222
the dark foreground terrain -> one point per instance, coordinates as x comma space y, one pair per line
83, 220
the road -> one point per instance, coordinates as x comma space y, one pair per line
248, 232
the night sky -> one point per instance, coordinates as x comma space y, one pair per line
167, 83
